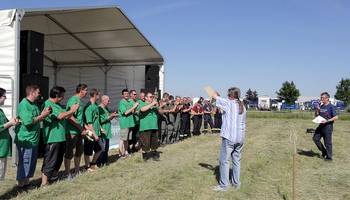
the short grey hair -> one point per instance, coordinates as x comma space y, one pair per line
234, 92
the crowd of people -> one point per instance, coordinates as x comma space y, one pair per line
146, 121
75, 130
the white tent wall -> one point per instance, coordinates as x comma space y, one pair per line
117, 78
120, 77
9, 63
161, 79
8, 58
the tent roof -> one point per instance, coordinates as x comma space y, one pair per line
97, 36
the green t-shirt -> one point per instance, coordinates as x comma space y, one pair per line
54, 130
70, 128
92, 116
5, 138
148, 119
105, 122
136, 114
27, 134
125, 121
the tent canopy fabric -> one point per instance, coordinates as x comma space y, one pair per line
90, 36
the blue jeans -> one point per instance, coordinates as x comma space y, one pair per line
233, 150
27, 157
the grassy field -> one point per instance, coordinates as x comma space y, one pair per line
291, 114
189, 169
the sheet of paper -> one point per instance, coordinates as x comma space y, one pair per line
210, 91
318, 119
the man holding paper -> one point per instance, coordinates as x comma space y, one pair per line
325, 129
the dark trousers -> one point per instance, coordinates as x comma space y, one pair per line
103, 159
325, 132
208, 120
163, 130
149, 140
134, 137
185, 124
197, 123
53, 157
218, 121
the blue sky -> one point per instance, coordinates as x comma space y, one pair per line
250, 44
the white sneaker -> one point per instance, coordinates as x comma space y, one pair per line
218, 188
70, 177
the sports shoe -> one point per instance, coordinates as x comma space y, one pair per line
218, 188
69, 177
155, 156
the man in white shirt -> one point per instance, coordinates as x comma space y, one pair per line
232, 134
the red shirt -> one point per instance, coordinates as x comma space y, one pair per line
197, 108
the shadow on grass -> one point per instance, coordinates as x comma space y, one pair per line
309, 153
35, 183
215, 169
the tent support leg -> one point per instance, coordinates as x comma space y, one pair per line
56, 70
105, 70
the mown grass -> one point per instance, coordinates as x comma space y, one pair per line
290, 115
188, 169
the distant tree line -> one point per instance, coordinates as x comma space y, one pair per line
289, 93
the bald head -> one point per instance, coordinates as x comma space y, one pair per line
105, 100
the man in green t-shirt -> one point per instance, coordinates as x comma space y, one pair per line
74, 130
126, 122
105, 118
27, 134
55, 134
93, 143
135, 130
149, 111
5, 138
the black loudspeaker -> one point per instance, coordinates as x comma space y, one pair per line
152, 77
31, 52
33, 79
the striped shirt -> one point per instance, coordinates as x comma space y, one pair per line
231, 128
242, 124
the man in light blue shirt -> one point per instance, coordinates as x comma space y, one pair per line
232, 134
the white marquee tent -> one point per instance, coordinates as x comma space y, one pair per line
97, 46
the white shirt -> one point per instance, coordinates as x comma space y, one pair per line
231, 128
242, 124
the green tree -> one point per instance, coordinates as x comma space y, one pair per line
251, 96
343, 91
288, 92
255, 96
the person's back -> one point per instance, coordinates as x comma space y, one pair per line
78, 115
242, 118
230, 119
232, 134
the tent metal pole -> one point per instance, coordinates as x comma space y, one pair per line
76, 38
56, 70
105, 70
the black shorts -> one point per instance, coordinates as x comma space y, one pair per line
93, 146
73, 142
53, 157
